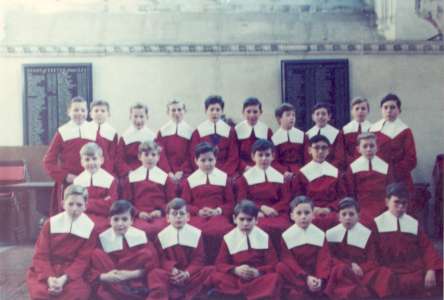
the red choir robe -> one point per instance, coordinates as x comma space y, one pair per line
323, 183
267, 188
350, 133
397, 147
109, 146
289, 149
102, 192
63, 247
405, 249
149, 190
254, 250
336, 156
246, 135
366, 182
130, 251
63, 156
184, 250
357, 245
304, 252
219, 134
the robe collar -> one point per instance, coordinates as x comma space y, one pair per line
362, 164
112, 242
390, 129
155, 174
134, 135
353, 126
357, 236
293, 135
387, 222
182, 129
244, 130
107, 131
207, 128
70, 130
256, 175
100, 179
63, 223
236, 240
328, 131
216, 177
187, 236
314, 170
295, 236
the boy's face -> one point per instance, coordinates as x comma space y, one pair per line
252, 114
74, 205
302, 215
390, 110
121, 222
359, 112
138, 117
214, 112
149, 159
321, 117
368, 148
178, 217
263, 159
287, 120
397, 206
91, 163
77, 112
176, 112
99, 114
206, 162
245, 222
348, 217
319, 151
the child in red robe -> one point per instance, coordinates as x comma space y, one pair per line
63, 250
120, 265
249, 131
355, 273
405, 249
101, 185
182, 273
218, 133
210, 199
246, 262
305, 261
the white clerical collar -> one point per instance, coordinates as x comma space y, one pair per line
216, 177
133, 135
155, 174
390, 129
244, 130
293, 135
87, 130
314, 170
237, 241
295, 236
255, 175
107, 131
63, 223
182, 129
387, 222
112, 242
353, 126
362, 164
208, 128
100, 179
357, 236
187, 236
328, 131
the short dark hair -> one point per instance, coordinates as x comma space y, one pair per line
348, 202
203, 148
149, 146
176, 203
76, 99
320, 105
120, 207
279, 111
252, 101
261, 145
300, 200
247, 207
139, 105
397, 189
214, 99
319, 138
99, 103
391, 97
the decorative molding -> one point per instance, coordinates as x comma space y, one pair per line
371, 48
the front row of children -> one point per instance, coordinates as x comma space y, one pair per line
391, 258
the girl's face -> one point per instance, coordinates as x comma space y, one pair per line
288, 120
99, 114
244, 222
178, 217
176, 112
206, 162
138, 117
149, 159
397, 206
390, 110
121, 222
263, 159
319, 151
91, 163
368, 148
321, 117
360, 112
74, 205
252, 114
214, 112
77, 112
348, 217
302, 215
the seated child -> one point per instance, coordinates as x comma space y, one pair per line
63, 250
182, 273
102, 187
305, 260
246, 262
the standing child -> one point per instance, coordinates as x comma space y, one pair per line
218, 133
102, 187
182, 273
305, 261
63, 251
246, 262
249, 131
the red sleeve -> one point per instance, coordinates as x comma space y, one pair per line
298, 184
241, 188
51, 160
224, 261
340, 192
113, 153
164, 161
164, 262
323, 263
41, 262
195, 139
432, 260
270, 260
338, 152
170, 189
307, 156
197, 260
349, 181
101, 206
408, 163
121, 165
81, 262
187, 195
231, 164
229, 200
370, 250
288, 259
128, 193
285, 197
